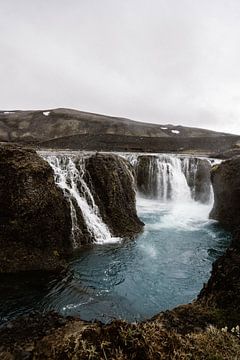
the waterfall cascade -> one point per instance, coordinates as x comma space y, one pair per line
163, 177
69, 173
170, 177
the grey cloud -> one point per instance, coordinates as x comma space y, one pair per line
165, 61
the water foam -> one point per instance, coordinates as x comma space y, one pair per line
69, 173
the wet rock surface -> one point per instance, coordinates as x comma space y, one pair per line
35, 219
149, 168
145, 171
226, 186
111, 181
202, 181
223, 288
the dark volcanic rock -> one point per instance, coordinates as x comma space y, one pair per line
112, 184
146, 174
35, 219
226, 186
197, 173
202, 183
223, 288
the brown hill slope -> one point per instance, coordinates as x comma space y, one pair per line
66, 128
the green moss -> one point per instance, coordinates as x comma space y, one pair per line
215, 168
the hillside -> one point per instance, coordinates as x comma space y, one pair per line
66, 128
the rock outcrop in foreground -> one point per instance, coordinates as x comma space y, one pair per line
180, 334
35, 222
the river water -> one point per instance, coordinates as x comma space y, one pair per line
164, 266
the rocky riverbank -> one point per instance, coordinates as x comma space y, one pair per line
184, 333
226, 185
192, 331
35, 221
223, 288
35, 215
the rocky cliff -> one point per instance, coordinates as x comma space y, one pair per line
146, 175
111, 181
226, 185
223, 288
35, 219
202, 182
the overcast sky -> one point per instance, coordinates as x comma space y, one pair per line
162, 61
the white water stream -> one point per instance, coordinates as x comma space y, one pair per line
69, 175
168, 175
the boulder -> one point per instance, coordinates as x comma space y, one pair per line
226, 186
111, 180
35, 223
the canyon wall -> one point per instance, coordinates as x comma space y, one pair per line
35, 219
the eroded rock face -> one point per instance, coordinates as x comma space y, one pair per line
111, 181
35, 222
146, 176
202, 181
226, 186
223, 288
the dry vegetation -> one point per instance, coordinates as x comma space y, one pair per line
140, 342
122, 341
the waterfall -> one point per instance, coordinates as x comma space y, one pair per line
172, 183
170, 177
69, 173
159, 176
